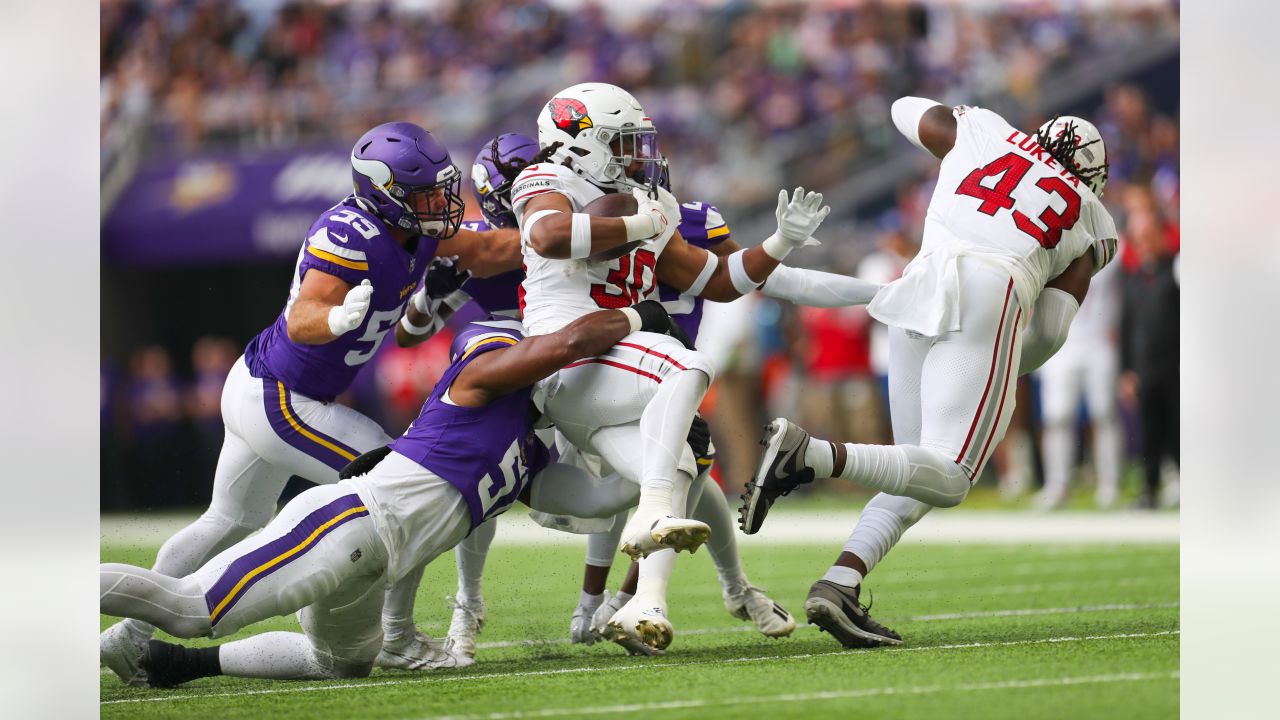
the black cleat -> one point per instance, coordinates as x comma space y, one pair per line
835, 609
168, 665
781, 470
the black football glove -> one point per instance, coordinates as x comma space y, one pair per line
444, 276
363, 464
654, 318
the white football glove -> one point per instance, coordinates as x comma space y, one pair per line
347, 317
662, 213
798, 219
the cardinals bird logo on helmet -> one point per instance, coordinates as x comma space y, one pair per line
569, 115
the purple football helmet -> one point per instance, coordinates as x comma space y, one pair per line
477, 329
495, 168
408, 176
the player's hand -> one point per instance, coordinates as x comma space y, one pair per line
443, 277
347, 317
798, 219
663, 213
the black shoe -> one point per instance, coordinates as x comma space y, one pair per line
170, 665
835, 609
781, 470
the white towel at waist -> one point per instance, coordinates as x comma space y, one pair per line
926, 299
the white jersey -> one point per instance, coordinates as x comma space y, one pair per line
1000, 198
557, 292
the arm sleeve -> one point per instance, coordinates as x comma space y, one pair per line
1047, 331
818, 289
906, 113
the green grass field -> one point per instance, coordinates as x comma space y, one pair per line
991, 631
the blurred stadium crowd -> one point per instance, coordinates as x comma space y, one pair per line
748, 97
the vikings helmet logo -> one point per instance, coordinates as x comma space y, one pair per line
569, 115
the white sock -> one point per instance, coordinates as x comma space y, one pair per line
842, 575
821, 456
589, 601
881, 525
655, 574
470, 555
273, 655
713, 509
623, 597
664, 430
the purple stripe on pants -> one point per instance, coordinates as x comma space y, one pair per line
299, 539
271, 392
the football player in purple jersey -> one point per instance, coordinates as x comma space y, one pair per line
701, 224
331, 551
355, 270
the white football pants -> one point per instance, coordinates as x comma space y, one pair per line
951, 398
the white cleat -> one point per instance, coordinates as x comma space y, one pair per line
419, 652
750, 603
468, 621
641, 627
120, 649
645, 535
580, 627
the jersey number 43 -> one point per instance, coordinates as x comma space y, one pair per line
1011, 168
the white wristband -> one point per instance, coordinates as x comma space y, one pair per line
742, 282
527, 227
412, 329
639, 227
580, 237
633, 317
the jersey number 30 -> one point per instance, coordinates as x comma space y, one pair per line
1011, 168
629, 279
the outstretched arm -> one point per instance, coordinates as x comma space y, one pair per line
1054, 310
928, 124
698, 272
484, 254
504, 371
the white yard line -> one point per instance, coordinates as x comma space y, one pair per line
641, 665
746, 627
799, 528
890, 620
826, 695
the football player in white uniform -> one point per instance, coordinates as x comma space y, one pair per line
1013, 233
633, 405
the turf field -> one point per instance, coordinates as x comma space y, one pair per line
1010, 630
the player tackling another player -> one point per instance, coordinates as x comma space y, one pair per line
333, 550
355, 271
1013, 233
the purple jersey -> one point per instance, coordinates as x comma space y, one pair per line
490, 452
349, 242
498, 295
700, 225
